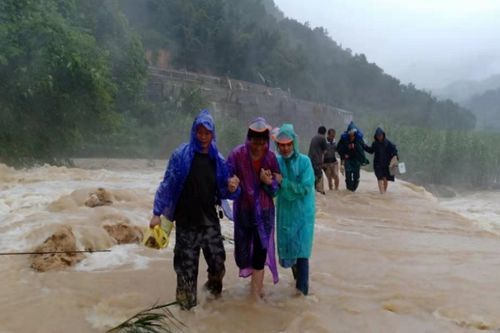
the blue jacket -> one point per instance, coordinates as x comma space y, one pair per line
179, 165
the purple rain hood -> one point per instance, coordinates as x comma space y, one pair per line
254, 207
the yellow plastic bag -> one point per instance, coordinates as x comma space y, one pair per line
159, 236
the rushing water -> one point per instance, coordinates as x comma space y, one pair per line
400, 262
482, 208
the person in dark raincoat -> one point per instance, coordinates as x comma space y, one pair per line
352, 155
317, 149
196, 179
384, 152
256, 166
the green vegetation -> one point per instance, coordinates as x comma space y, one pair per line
469, 159
156, 319
249, 40
73, 79
486, 106
66, 76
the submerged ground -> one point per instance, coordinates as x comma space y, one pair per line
399, 262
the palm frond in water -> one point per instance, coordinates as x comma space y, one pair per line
156, 319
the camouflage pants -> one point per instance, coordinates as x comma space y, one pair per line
189, 241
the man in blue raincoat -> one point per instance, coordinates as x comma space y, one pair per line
196, 179
295, 206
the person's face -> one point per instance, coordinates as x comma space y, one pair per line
331, 136
285, 149
257, 147
380, 137
204, 136
352, 136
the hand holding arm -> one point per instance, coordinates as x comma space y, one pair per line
278, 177
266, 176
233, 183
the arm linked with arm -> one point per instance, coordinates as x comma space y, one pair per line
230, 171
368, 149
272, 189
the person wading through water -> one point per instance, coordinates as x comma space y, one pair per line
196, 179
295, 207
352, 154
385, 151
317, 149
256, 166
331, 165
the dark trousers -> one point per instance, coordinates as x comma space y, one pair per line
301, 274
318, 177
259, 254
248, 248
351, 176
189, 241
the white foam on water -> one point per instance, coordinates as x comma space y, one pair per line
35, 189
14, 239
4, 208
110, 312
481, 207
120, 255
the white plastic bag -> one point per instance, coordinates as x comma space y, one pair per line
401, 168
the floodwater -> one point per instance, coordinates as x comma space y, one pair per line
400, 262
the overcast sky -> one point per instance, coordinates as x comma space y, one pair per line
428, 42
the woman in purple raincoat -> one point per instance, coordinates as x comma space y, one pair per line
255, 166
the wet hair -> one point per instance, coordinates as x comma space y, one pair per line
332, 131
322, 130
258, 135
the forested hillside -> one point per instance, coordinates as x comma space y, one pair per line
73, 73
462, 91
247, 39
486, 107
69, 70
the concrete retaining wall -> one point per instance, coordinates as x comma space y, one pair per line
245, 101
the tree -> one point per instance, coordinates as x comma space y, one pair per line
59, 83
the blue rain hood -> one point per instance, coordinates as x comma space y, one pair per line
204, 119
352, 126
179, 166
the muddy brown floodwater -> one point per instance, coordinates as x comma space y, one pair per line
400, 262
